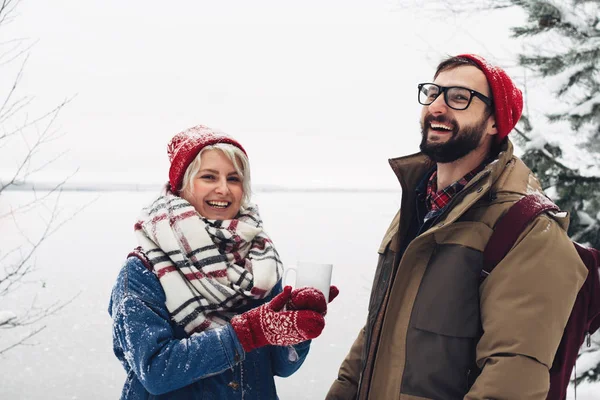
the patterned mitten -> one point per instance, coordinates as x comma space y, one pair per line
267, 324
307, 298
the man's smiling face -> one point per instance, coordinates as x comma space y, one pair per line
448, 134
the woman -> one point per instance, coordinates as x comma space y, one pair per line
198, 309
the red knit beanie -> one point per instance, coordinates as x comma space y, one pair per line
508, 99
186, 145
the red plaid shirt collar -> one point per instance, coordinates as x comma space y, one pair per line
437, 200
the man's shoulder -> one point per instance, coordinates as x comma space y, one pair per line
516, 178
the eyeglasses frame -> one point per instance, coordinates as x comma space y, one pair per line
444, 90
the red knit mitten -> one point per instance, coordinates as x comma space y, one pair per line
308, 298
267, 324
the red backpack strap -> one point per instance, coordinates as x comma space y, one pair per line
139, 253
510, 226
591, 258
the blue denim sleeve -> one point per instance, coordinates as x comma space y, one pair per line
143, 334
286, 360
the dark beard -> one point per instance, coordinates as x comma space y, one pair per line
462, 142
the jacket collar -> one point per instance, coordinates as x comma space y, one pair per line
411, 169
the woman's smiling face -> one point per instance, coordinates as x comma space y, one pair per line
216, 191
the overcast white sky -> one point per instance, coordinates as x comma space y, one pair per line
320, 92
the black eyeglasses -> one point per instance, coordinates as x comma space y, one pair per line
456, 97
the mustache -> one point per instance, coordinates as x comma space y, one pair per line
442, 119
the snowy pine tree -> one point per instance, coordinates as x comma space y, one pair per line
571, 31
565, 49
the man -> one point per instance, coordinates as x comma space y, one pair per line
433, 332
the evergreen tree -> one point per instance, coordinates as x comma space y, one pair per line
565, 39
570, 30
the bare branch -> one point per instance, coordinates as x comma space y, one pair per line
23, 341
457, 6
17, 50
17, 264
15, 274
25, 125
23, 169
11, 92
34, 315
7, 8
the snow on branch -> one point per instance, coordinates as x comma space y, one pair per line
586, 107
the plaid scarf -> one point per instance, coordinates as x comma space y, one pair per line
207, 268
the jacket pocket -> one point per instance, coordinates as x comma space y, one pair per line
444, 326
448, 298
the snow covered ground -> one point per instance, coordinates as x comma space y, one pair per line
72, 358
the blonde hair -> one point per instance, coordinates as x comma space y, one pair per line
240, 164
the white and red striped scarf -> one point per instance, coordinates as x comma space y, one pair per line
207, 268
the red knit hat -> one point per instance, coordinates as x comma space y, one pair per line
186, 145
508, 99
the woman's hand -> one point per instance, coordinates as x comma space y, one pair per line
267, 324
307, 298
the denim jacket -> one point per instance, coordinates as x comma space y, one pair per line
162, 362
